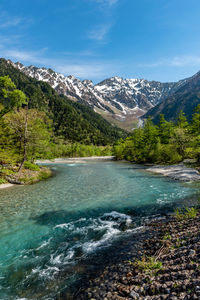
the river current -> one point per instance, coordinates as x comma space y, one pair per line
48, 228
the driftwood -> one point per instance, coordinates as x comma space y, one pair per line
12, 179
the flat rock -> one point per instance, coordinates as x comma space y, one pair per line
177, 172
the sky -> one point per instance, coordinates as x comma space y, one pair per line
96, 39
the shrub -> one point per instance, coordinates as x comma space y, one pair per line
44, 174
2, 180
28, 165
5, 171
148, 264
186, 213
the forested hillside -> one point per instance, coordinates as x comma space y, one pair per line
72, 121
185, 99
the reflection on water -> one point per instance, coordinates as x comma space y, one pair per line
48, 229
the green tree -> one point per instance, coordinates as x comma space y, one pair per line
10, 97
182, 120
180, 140
31, 131
195, 126
165, 130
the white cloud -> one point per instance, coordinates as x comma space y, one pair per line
78, 53
185, 60
27, 56
99, 33
176, 61
10, 22
111, 2
86, 69
106, 2
83, 64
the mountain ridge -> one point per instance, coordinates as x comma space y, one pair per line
71, 120
120, 101
185, 99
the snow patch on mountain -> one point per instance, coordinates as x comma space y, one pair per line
116, 96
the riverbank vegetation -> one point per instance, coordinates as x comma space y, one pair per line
28, 133
166, 143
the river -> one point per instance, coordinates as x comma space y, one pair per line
49, 228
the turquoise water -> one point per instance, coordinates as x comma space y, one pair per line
46, 229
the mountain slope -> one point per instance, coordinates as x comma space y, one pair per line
121, 101
186, 98
73, 121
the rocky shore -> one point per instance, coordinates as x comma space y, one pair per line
73, 160
177, 172
167, 266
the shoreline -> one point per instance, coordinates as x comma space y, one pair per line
27, 177
165, 265
75, 159
6, 185
178, 172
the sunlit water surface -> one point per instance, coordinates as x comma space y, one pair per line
46, 229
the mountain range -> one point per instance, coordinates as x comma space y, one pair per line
123, 101
120, 101
186, 98
71, 121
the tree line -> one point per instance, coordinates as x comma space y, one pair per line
167, 142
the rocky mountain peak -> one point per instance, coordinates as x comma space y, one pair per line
115, 97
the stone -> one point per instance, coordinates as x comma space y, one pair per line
134, 295
192, 253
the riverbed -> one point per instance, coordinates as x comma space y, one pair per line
47, 230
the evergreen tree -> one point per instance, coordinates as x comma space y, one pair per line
182, 120
165, 130
195, 126
10, 97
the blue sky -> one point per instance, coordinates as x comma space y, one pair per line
96, 39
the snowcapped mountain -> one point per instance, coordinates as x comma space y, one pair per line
119, 100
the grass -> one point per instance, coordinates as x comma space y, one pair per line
2, 180
44, 174
5, 171
36, 176
166, 237
186, 213
148, 264
30, 174
30, 166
